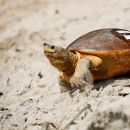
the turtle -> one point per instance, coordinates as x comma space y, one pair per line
98, 55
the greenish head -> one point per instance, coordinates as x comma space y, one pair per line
58, 56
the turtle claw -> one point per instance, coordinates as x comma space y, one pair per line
76, 87
79, 84
81, 90
71, 94
72, 90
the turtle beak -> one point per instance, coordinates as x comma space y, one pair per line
48, 48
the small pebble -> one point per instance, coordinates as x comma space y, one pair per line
1, 93
40, 75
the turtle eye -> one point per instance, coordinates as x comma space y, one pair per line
73, 51
52, 47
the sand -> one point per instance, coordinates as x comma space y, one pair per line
30, 97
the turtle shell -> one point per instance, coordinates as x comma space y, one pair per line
102, 40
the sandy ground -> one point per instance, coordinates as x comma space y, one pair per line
30, 97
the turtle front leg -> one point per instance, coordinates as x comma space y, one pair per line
82, 76
64, 84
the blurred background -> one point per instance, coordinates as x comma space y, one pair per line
61, 20
27, 81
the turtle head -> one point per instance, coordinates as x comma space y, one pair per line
58, 56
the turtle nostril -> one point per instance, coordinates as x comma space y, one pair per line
44, 44
52, 47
